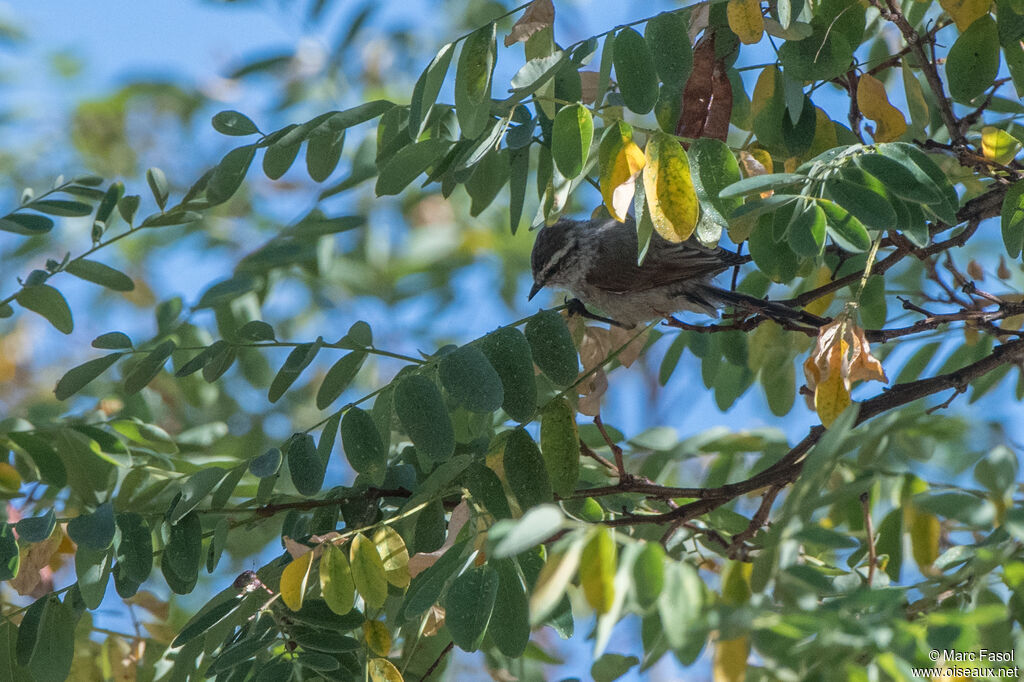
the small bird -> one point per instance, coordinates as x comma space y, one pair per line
596, 261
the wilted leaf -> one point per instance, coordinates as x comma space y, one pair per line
669, 188
874, 104
620, 161
841, 356
540, 14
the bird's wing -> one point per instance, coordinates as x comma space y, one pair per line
666, 263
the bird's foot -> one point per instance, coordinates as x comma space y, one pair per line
575, 306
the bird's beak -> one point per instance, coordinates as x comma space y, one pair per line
537, 286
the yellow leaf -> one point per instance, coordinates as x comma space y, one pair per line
550, 586
874, 104
731, 660
671, 197
293, 581
764, 90
998, 145
394, 554
368, 571
745, 20
965, 12
336, 580
597, 570
821, 277
378, 637
736, 582
925, 530
383, 670
620, 161
9, 477
824, 134
831, 397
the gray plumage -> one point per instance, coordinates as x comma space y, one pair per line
596, 261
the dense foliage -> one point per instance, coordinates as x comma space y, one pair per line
865, 155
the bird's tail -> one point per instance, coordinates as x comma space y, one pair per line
771, 309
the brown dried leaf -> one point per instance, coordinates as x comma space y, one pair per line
975, 270
840, 356
434, 621
697, 94
423, 560
588, 86
540, 14
35, 577
591, 392
150, 602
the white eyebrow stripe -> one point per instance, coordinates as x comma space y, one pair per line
557, 257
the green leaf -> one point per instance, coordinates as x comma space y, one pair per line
278, 158
552, 347
256, 330
53, 652
28, 629
821, 56
510, 631
368, 573
488, 178
78, 377
713, 168
94, 530
806, 233
227, 290
635, 71
204, 620
509, 353
469, 604
572, 133
182, 554
519, 171
473, 80
762, 183
899, 179
560, 446
194, 490
865, 204
147, 368
427, 586
323, 151
1012, 219
336, 584
134, 552
611, 667
363, 446
407, 164
43, 455
98, 273
266, 464
10, 556
112, 341
421, 409
525, 471
470, 380
233, 123
649, 574
230, 172
361, 113
158, 186
536, 72
536, 525
92, 568
36, 528
298, 359
26, 224
928, 173
176, 217
338, 377
973, 61
667, 34
848, 232
127, 206
485, 488
307, 469
680, 603
424, 94
48, 302
60, 207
